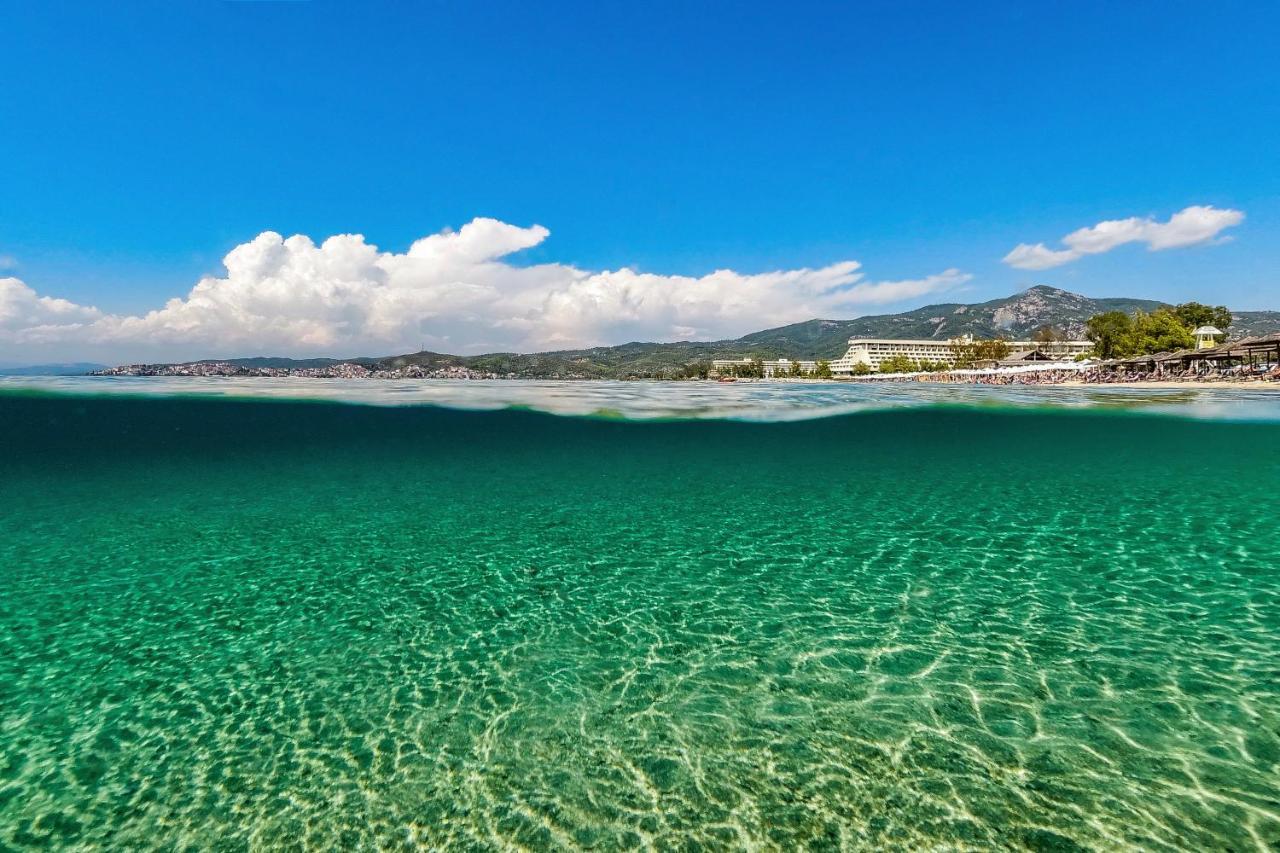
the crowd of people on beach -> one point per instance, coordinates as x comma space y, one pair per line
1037, 377
1098, 375
1239, 373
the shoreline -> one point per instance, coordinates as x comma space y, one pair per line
1267, 384
1029, 381
1000, 381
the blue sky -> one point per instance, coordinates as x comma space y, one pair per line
142, 142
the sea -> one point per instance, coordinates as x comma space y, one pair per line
251, 614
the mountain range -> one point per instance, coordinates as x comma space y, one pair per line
1015, 317
75, 368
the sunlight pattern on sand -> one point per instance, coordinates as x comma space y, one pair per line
341, 626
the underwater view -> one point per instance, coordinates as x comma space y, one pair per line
661, 621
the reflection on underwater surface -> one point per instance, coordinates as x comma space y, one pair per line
345, 626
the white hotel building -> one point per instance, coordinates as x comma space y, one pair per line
874, 351
779, 368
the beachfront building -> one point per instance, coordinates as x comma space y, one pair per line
777, 368
874, 351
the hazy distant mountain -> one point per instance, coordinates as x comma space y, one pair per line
1253, 323
292, 363
78, 368
1014, 317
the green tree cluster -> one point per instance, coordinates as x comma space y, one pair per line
1193, 315
753, 369
903, 364
965, 353
899, 364
1116, 334
824, 369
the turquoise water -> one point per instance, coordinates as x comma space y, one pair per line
256, 625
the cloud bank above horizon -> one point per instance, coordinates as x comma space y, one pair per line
455, 291
1191, 226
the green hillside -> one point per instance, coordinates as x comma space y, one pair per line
1014, 317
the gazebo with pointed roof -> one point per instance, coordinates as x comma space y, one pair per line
1207, 337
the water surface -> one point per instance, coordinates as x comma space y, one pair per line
742, 400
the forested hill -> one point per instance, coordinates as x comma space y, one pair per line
1253, 323
1014, 317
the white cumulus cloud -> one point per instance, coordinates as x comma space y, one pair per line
1188, 227
27, 317
456, 291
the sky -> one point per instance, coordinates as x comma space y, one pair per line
216, 179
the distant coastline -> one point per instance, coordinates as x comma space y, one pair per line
1058, 375
341, 370
1015, 317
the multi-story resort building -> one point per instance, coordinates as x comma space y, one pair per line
779, 368
874, 351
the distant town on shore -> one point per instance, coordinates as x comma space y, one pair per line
1039, 328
